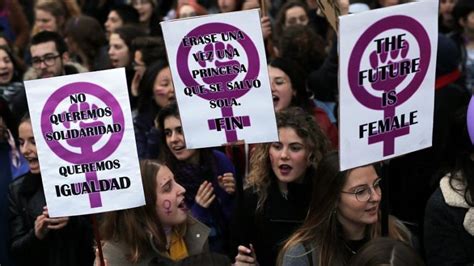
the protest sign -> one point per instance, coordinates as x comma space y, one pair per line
220, 76
85, 140
387, 74
331, 10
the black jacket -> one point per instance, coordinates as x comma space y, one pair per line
71, 245
267, 230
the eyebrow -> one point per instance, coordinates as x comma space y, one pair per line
365, 185
166, 182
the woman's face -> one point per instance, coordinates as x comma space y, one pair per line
144, 8
28, 146
296, 16
227, 5
357, 213
175, 140
170, 204
186, 11
282, 90
114, 21
446, 8
6, 68
289, 157
118, 51
45, 21
163, 90
385, 3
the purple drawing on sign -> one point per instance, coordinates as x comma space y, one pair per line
393, 54
219, 55
85, 144
470, 119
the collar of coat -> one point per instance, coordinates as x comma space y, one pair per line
456, 199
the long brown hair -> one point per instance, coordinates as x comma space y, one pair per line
321, 228
261, 174
134, 227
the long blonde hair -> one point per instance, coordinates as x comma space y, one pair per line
321, 228
261, 174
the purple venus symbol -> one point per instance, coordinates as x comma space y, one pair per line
218, 55
389, 85
85, 144
470, 120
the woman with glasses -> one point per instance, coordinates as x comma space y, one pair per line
343, 215
279, 187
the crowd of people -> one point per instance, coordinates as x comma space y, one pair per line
281, 203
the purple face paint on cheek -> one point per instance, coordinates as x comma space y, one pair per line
167, 206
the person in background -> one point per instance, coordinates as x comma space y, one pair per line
156, 91
86, 42
119, 16
11, 76
190, 9
120, 53
149, 16
206, 174
159, 230
449, 214
343, 215
49, 16
146, 50
463, 36
291, 13
278, 189
15, 26
50, 58
446, 21
386, 251
229, 5
36, 238
288, 89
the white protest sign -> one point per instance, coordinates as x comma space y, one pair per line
221, 79
86, 146
386, 87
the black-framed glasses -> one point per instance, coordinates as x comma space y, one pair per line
48, 60
363, 193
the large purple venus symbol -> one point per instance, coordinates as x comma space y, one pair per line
389, 85
85, 144
225, 95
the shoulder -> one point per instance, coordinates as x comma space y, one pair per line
21, 184
74, 68
196, 236
297, 255
221, 158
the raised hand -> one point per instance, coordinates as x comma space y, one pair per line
227, 182
205, 195
395, 57
246, 256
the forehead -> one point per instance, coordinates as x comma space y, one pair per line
288, 134
365, 175
171, 122
295, 11
3, 53
43, 13
41, 49
114, 14
25, 130
163, 175
165, 72
115, 39
276, 72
